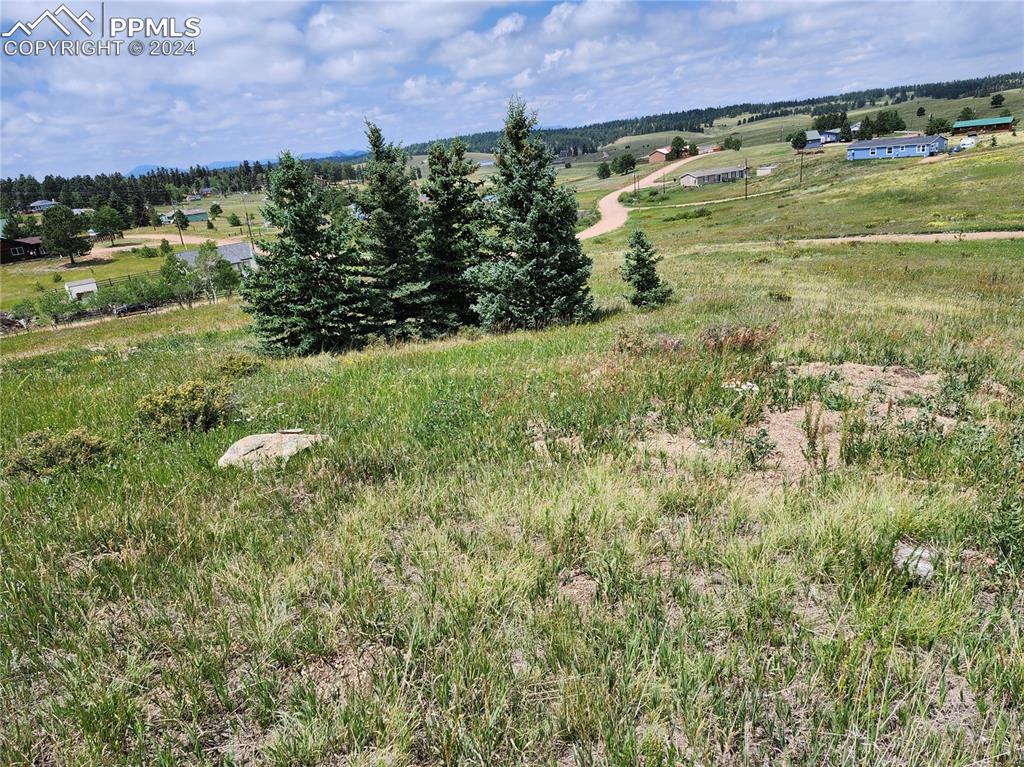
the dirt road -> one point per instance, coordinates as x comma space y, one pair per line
190, 239
613, 213
937, 236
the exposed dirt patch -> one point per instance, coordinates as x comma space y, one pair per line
794, 453
876, 383
578, 587
658, 567
664, 450
958, 711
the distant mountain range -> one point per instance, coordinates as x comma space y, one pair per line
338, 154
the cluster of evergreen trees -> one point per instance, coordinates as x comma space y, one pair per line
405, 269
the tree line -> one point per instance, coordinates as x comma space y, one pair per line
589, 138
403, 268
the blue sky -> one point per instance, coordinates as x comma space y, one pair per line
303, 76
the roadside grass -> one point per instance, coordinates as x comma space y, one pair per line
435, 587
23, 279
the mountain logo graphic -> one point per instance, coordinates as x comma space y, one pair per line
55, 18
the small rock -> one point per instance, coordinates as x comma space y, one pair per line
258, 450
917, 561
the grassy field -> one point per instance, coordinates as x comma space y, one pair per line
973, 191
236, 203
491, 564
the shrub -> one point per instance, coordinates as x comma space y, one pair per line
46, 452
719, 338
23, 310
757, 448
238, 365
192, 406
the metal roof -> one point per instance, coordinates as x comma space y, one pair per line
80, 283
898, 141
812, 135
983, 121
233, 253
713, 171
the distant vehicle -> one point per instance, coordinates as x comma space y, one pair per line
967, 143
126, 309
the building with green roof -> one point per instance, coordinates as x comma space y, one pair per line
984, 124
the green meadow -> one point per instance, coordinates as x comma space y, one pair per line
487, 566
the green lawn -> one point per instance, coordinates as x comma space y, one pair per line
23, 279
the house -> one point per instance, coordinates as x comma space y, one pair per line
708, 149
79, 288
40, 205
984, 125
830, 136
813, 139
659, 155
193, 197
192, 214
206, 191
766, 170
238, 254
855, 127
21, 248
82, 211
900, 146
712, 175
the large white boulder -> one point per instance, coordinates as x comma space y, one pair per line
258, 450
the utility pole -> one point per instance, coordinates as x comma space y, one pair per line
801, 168
746, 179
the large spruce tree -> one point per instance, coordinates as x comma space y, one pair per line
538, 272
388, 239
451, 243
307, 293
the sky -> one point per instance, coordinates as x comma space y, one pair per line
269, 76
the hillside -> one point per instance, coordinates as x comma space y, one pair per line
542, 546
695, 122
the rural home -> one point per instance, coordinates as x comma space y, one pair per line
79, 288
20, 249
813, 139
830, 136
659, 155
712, 175
40, 205
708, 149
238, 254
983, 125
192, 214
902, 146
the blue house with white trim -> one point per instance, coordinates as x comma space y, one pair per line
901, 146
813, 139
